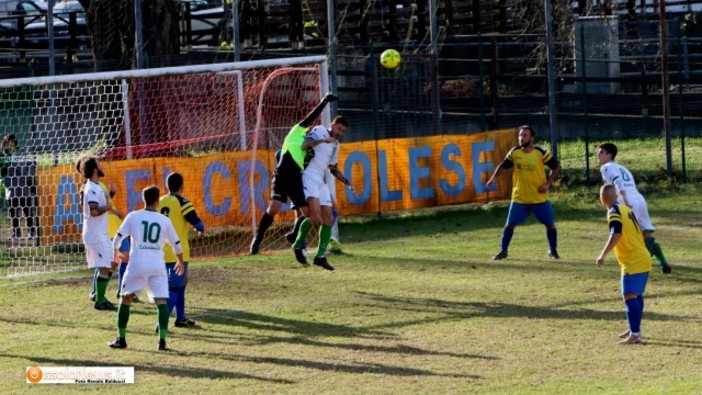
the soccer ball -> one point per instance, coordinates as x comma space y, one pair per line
390, 59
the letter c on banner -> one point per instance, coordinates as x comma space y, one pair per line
207, 184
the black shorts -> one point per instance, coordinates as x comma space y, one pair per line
288, 185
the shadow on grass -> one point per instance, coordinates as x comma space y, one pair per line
356, 368
452, 311
158, 368
260, 322
397, 349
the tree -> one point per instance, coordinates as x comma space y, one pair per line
111, 25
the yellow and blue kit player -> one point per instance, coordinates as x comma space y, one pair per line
182, 214
626, 239
529, 189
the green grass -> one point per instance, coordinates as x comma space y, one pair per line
416, 306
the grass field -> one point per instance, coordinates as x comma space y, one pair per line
416, 305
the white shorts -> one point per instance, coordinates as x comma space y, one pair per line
134, 283
99, 254
315, 187
640, 209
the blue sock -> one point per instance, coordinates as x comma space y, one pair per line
172, 299
507, 234
552, 235
122, 269
641, 301
633, 314
180, 305
335, 215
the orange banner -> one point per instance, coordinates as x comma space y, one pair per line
228, 188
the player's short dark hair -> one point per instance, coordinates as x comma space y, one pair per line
610, 148
151, 194
340, 119
87, 166
529, 128
174, 181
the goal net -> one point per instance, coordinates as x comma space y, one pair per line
218, 125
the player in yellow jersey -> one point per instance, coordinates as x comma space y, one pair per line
182, 214
627, 241
529, 189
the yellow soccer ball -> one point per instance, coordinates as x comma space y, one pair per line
390, 59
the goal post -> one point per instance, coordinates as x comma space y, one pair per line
218, 125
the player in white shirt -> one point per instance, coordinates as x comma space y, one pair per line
619, 176
98, 247
149, 231
322, 147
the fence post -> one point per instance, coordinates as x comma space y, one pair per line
481, 81
495, 72
681, 107
374, 105
584, 100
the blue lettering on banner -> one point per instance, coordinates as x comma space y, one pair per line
164, 175
207, 186
259, 189
449, 164
365, 194
482, 167
66, 193
133, 194
385, 194
417, 173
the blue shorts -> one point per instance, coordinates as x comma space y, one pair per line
634, 283
124, 247
518, 213
175, 281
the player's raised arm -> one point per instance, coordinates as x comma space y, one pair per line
328, 98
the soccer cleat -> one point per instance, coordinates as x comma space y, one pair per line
290, 237
300, 256
322, 261
630, 340
553, 254
187, 322
500, 255
625, 334
119, 342
162, 345
105, 305
255, 245
666, 269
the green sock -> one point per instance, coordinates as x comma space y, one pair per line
305, 227
101, 283
162, 320
324, 237
658, 253
122, 319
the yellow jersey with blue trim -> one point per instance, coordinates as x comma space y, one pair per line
631, 251
529, 173
182, 214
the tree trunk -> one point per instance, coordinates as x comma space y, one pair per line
112, 31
